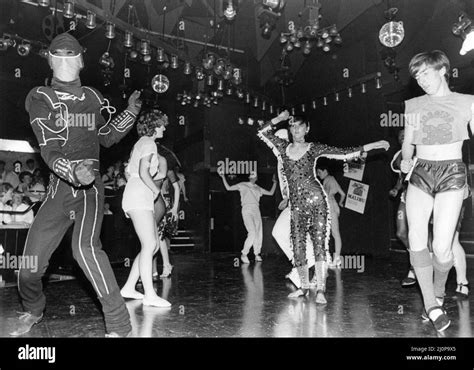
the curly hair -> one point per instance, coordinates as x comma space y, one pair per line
149, 120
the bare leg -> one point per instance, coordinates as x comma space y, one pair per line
447, 207
167, 267
459, 260
402, 235
160, 211
145, 227
419, 206
336, 234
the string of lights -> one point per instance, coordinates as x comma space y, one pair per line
215, 73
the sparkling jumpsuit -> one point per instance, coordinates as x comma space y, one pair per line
310, 212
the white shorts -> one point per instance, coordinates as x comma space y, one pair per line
137, 196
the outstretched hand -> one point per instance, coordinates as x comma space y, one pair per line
134, 102
381, 144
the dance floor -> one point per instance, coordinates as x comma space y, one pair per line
213, 295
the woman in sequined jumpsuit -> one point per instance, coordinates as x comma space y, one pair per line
308, 201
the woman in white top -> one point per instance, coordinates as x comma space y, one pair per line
22, 219
138, 204
332, 188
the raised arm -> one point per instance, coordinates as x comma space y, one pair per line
267, 135
226, 184
115, 130
272, 190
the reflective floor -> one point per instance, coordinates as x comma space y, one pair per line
213, 295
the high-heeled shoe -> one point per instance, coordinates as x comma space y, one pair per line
166, 271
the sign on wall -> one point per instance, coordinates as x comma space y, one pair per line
357, 196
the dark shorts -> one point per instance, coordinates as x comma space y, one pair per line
439, 176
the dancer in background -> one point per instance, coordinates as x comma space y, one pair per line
166, 210
138, 203
250, 194
308, 201
436, 127
402, 223
332, 188
75, 193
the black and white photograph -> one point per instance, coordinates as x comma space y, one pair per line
237, 170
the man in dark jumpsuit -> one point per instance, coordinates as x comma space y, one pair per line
67, 121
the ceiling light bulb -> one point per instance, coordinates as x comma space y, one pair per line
128, 39
90, 20
68, 10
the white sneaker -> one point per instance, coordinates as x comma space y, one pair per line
258, 258
244, 258
295, 278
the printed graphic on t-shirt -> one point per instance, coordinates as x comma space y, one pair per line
437, 128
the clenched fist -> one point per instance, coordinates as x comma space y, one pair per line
134, 102
84, 172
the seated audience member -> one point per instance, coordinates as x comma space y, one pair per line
8, 176
18, 205
6, 191
108, 179
30, 166
37, 191
26, 179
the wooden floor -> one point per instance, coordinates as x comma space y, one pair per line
213, 295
